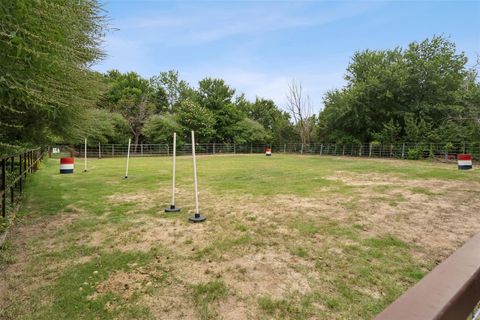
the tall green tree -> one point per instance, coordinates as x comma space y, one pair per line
275, 121
424, 88
46, 85
103, 126
250, 131
159, 129
193, 116
217, 96
172, 88
132, 96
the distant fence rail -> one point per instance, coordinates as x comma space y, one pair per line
447, 151
14, 171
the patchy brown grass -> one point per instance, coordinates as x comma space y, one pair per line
278, 256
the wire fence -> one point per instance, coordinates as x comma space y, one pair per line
14, 171
445, 151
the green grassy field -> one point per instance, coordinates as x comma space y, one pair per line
286, 237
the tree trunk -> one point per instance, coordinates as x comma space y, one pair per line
136, 137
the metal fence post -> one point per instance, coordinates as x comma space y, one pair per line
284, 147
26, 164
141, 149
234, 149
113, 150
321, 149
251, 148
4, 209
12, 163
343, 150
403, 150
20, 172
370, 151
301, 150
360, 150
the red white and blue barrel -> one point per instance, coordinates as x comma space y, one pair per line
464, 161
268, 152
66, 165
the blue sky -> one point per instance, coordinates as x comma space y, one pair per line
258, 47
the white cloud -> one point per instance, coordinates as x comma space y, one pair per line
196, 25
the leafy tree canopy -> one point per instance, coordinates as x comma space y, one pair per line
46, 85
422, 92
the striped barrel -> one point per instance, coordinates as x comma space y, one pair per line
268, 152
464, 161
66, 165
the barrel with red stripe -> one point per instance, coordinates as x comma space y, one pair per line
464, 161
268, 152
66, 165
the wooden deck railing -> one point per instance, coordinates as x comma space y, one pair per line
450, 291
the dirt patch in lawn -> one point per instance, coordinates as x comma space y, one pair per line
172, 301
123, 284
149, 232
264, 273
143, 200
435, 214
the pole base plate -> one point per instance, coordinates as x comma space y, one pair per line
197, 217
126, 177
172, 209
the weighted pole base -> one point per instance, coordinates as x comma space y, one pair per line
85, 170
197, 217
126, 177
172, 209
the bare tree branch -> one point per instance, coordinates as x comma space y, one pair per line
300, 107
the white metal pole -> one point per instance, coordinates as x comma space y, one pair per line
173, 173
197, 216
128, 157
172, 205
195, 172
99, 151
85, 155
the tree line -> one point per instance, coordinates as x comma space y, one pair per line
149, 110
49, 94
423, 93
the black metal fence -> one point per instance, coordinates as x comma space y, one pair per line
447, 151
14, 171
